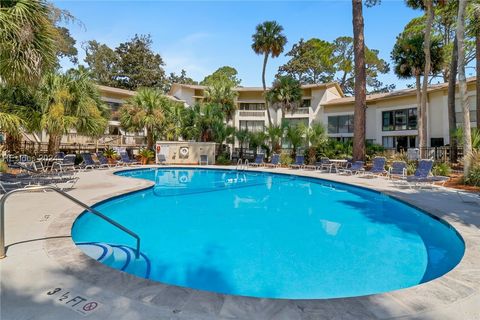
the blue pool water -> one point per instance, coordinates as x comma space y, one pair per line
276, 236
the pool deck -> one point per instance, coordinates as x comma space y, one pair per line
41, 256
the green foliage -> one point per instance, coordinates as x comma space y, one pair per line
285, 159
336, 149
132, 64
269, 39
409, 58
294, 135
258, 139
3, 166
373, 150
475, 134
222, 94
66, 45
285, 94
222, 159
26, 56
110, 153
146, 154
442, 169
181, 79
473, 177
226, 75
274, 134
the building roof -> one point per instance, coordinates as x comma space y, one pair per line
129, 92
243, 89
391, 95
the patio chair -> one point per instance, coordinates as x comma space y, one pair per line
59, 155
104, 161
378, 167
35, 174
299, 163
259, 161
325, 164
274, 162
422, 176
203, 159
398, 170
67, 163
87, 162
125, 159
161, 159
355, 168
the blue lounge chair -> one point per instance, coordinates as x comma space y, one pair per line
125, 159
299, 162
67, 163
203, 159
258, 160
103, 161
378, 167
398, 170
355, 168
422, 176
59, 155
274, 162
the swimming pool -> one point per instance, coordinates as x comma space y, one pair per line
270, 235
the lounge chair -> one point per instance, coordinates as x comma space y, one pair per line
299, 163
274, 162
203, 159
378, 167
398, 170
162, 159
422, 176
59, 155
125, 159
259, 161
355, 168
35, 174
88, 162
67, 163
104, 161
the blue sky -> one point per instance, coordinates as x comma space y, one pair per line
201, 36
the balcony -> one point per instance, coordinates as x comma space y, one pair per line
255, 114
302, 112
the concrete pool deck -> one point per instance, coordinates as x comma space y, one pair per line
41, 256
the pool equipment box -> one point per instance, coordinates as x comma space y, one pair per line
184, 152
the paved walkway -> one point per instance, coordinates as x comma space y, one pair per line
41, 257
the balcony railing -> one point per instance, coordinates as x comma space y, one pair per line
302, 111
258, 114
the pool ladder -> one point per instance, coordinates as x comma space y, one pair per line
241, 165
69, 197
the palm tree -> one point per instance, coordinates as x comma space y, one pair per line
222, 133
360, 82
295, 136
316, 135
268, 39
462, 83
173, 115
274, 134
27, 41
207, 115
145, 110
286, 94
257, 139
242, 137
222, 93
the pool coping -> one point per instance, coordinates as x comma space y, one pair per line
456, 286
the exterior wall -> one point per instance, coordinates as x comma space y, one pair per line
171, 150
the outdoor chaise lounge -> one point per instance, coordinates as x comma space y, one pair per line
35, 174
203, 159
259, 161
67, 163
104, 161
355, 168
398, 170
299, 163
378, 168
274, 162
422, 176
125, 159
89, 163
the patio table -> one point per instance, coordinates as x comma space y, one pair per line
338, 163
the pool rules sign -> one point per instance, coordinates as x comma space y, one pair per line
75, 302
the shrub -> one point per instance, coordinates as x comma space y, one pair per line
442, 169
285, 159
3, 166
110, 153
222, 160
311, 155
146, 154
473, 177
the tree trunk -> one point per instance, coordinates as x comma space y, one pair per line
422, 130
265, 59
13, 143
418, 86
452, 118
360, 82
477, 58
149, 139
53, 143
462, 84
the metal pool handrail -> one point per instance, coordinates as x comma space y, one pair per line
71, 198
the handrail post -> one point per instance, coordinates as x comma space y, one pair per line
71, 198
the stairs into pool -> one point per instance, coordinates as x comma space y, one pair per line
120, 257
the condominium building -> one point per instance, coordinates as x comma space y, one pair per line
391, 118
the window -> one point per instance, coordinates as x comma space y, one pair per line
340, 124
306, 103
404, 119
252, 125
436, 142
252, 106
399, 142
295, 121
459, 118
